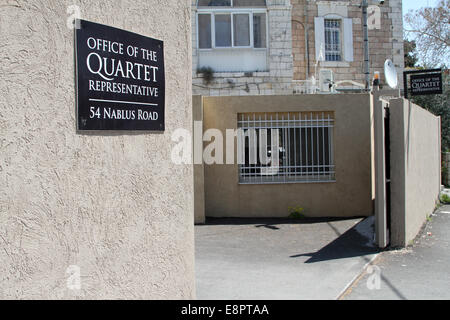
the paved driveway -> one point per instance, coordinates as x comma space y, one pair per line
280, 259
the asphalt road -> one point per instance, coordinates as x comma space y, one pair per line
280, 259
421, 271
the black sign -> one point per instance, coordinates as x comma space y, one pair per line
120, 79
423, 84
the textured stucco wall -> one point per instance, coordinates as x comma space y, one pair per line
113, 204
415, 168
350, 195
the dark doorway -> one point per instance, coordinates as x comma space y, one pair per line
387, 148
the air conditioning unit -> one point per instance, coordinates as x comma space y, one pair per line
325, 80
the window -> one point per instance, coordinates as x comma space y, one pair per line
204, 31
232, 35
214, 3
243, 25
259, 30
332, 40
222, 24
231, 3
304, 142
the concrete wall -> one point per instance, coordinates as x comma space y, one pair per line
112, 204
350, 195
415, 168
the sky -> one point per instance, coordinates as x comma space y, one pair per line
417, 4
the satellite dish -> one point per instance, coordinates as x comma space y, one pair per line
391, 74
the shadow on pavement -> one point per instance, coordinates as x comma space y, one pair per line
270, 223
348, 245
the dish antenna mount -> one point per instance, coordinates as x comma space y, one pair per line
391, 74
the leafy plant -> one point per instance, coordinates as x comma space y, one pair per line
438, 105
445, 199
208, 74
296, 212
444, 172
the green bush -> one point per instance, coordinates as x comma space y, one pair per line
445, 199
296, 212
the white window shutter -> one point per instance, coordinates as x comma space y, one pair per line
348, 40
319, 30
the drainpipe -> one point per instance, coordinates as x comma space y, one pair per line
364, 6
306, 38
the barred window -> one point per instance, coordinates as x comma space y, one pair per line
231, 3
332, 40
304, 141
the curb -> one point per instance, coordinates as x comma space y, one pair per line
355, 279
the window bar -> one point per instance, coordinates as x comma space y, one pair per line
277, 126
331, 153
295, 148
283, 136
300, 143
253, 166
242, 148
323, 144
271, 147
262, 151
306, 146
267, 145
249, 149
289, 145
329, 148
312, 145
318, 147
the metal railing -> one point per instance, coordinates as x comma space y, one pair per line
304, 141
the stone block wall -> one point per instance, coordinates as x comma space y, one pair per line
385, 42
277, 79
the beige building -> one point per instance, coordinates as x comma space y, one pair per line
275, 47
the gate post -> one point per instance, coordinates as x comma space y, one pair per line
380, 171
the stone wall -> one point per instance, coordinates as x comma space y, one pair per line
385, 42
277, 79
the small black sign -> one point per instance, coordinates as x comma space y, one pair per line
120, 79
423, 84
